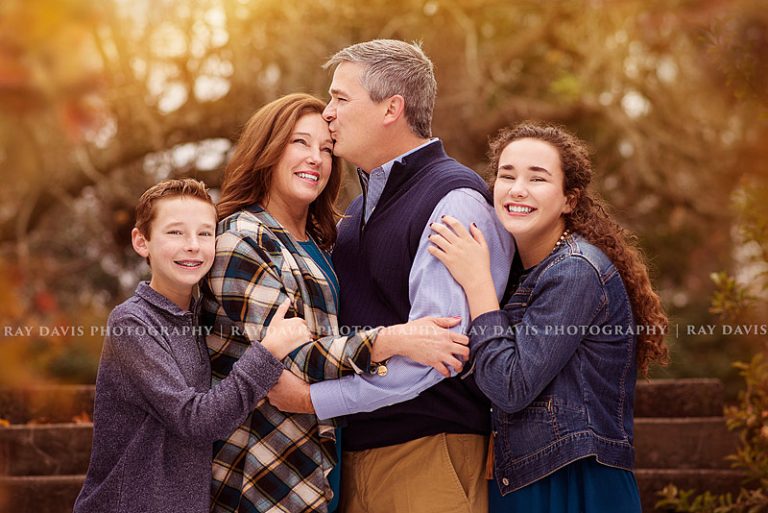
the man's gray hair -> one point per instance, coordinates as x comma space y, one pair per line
393, 67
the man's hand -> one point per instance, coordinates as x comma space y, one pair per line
427, 340
291, 394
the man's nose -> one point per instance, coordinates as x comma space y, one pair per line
329, 113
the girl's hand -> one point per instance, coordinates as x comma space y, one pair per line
285, 335
464, 253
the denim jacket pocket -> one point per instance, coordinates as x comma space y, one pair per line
539, 424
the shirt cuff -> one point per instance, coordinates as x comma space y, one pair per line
260, 367
328, 399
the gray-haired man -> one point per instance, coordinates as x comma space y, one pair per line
423, 448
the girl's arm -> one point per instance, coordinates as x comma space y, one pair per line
465, 254
515, 361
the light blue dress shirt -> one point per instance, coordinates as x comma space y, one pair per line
432, 291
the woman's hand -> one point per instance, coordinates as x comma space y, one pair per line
427, 341
465, 254
285, 335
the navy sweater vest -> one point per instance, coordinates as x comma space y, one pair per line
373, 263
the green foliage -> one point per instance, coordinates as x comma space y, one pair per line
731, 299
750, 418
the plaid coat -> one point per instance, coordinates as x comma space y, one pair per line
275, 461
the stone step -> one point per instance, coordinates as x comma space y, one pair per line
48, 449
652, 480
39, 494
698, 442
57, 494
46, 404
654, 398
679, 398
684, 443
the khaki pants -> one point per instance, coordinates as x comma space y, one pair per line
435, 474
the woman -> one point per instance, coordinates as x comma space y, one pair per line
277, 220
559, 362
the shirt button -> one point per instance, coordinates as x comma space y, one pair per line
382, 370
505, 481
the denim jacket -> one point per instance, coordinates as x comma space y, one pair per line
558, 363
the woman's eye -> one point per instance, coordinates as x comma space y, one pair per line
174, 232
538, 179
206, 234
300, 141
329, 150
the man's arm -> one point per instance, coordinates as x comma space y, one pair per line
433, 292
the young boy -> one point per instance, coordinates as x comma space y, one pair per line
155, 414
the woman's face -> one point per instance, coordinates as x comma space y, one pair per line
305, 166
528, 192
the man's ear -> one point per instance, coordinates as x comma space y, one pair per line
139, 243
395, 109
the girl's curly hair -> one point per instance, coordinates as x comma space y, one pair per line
591, 219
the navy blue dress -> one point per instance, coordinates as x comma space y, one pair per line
584, 486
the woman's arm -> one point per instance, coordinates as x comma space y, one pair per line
251, 302
246, 283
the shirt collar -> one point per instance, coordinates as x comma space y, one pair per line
386, 168
153, 297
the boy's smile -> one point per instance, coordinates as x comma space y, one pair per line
181, 246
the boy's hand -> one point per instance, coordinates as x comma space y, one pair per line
285, 335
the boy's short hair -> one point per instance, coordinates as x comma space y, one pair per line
145, 209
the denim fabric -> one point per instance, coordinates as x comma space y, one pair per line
559, 365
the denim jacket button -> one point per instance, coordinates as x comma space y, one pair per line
505, 481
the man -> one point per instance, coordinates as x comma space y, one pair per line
426, 453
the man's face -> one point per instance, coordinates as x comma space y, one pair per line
354, 119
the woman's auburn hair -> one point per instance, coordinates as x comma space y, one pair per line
248, 176
591, 219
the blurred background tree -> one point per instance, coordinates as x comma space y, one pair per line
101, 98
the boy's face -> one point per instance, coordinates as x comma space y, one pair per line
181, 246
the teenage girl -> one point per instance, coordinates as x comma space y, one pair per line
559, 360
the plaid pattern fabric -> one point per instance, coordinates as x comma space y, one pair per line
275, 461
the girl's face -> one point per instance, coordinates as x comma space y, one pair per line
528, 192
